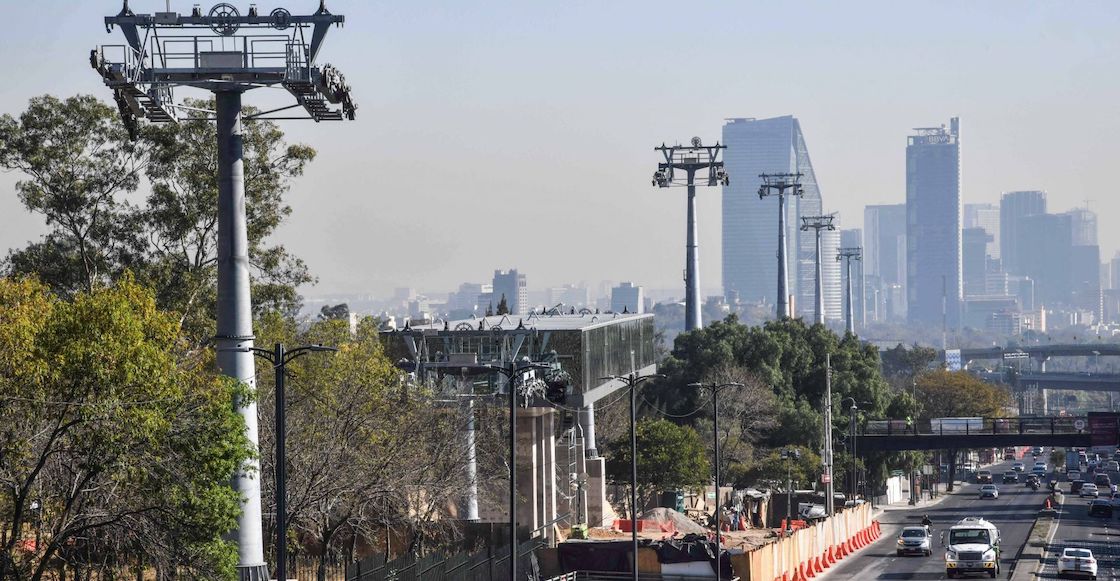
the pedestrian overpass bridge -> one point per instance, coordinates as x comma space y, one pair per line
1095, 429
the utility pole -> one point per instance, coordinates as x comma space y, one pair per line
169, 51
690, 160
776, 185
829, 489
789, 454
818, 223
848, 255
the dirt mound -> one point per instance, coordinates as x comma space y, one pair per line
682, 523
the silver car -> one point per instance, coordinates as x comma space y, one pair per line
913, 540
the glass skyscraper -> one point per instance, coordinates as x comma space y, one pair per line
933, 225
750, 224
1013, 207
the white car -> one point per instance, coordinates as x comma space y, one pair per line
1089, 489
1043, 464
1112, 466
1017, 466
989, 491
1076, 561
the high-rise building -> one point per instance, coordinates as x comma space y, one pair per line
974, 260
1013, 207
984, 216
511, 285
569, 295
627, 297
1083, 226
832, 281
1046, 256
750, 224
933, 224
884, 260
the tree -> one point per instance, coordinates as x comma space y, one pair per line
78, 165
503, 306
944, 394
745, 414
77, 160
803, 470
340, 312
364, 450
670, 457
117, 431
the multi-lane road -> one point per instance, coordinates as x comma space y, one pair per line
1013, 512
1077, 529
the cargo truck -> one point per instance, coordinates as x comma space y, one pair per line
1073, 460
972, 546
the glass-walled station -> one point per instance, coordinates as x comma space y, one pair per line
561, 477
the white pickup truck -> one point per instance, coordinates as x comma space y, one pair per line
972, 546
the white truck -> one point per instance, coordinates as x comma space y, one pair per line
972, 546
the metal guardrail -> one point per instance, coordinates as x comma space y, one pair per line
985, 426
611, 576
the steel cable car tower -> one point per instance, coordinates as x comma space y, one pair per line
690, 160
227, 54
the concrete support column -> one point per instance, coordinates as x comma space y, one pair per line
587, 423
234, 337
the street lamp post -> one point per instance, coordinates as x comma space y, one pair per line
511, 371
279, 358
632, 380
715, 389
852, 430
789, 454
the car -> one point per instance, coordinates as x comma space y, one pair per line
1101, 507
989, 491
1075, 486
1010, 476
1073, 475
1041, 463
914, 540
1089, 489
1102, 480
1112, 466
1018, 466
984, 477
1114, 498
1077, 561
1036, 451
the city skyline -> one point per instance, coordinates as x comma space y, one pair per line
415, 145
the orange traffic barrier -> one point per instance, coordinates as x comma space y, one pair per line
824, 560
806, 570
797, 576
817, 568
833, 554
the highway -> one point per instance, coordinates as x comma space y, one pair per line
1013, 512
1077, 529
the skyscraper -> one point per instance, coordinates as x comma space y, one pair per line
933, 224
511, 285
1046, 255
884, 260
629, 297
974, 252
1013, 207
984, 216
750, 225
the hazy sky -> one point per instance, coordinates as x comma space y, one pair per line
498, 134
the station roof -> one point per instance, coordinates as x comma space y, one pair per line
557, 322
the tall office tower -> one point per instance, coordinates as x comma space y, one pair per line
884, 259
974, 260
933, 224
629, 297
1083, 224
750, 225
1115, 262
984, 216
511, 285
1013, 207
852, 238
832, 280
1046, 256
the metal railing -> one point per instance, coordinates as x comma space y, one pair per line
612, 576
976, 426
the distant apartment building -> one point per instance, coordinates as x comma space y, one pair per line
569, 295
510, 284
974, 260
933, 225
1013, 207
465, 301
628, 297
750, 224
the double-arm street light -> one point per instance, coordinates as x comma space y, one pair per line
632, 380
790, 454
715, 388
279, 358
512, 371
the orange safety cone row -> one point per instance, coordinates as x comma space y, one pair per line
833, 554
